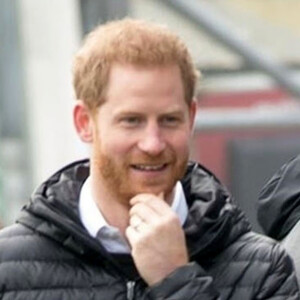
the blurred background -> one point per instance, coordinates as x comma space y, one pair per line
248, 121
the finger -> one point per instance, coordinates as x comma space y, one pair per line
154, 202
144, 212
143, 198
131, 235
135, 221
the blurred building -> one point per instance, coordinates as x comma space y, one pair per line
247, 50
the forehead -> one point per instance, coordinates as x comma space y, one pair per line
138, 81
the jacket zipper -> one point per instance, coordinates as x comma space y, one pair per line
130, 290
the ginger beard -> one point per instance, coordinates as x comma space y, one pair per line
116, 174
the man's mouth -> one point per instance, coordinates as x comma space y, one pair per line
149, 168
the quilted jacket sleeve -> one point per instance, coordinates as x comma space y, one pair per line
189, 282
280, 283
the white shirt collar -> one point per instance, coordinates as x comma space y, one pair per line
93, 220
90, 215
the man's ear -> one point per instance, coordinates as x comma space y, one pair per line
83, 122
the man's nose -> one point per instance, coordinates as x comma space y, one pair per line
152, 141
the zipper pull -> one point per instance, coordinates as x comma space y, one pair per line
130, 290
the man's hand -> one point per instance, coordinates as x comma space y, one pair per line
156, 238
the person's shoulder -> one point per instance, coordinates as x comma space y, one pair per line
260, 243
260, 256
18, 242
265, 250
32, 261
15, 239
12, 233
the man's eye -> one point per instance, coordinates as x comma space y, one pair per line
131, 120
170, 120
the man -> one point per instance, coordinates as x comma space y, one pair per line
137, 220
279, 200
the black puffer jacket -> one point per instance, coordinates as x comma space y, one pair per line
279, 201
279, 209
48, 255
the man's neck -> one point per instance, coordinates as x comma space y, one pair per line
115, 212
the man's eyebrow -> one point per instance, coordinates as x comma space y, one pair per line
173, 112
128, 112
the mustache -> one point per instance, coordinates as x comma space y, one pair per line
143, 159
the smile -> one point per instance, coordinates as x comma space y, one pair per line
149, 167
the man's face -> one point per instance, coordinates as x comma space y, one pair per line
141, 141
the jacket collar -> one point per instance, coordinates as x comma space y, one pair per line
213, 222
